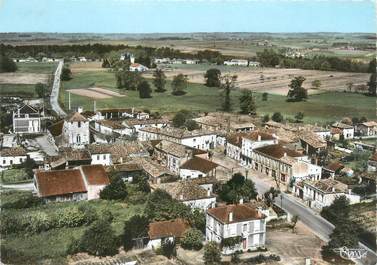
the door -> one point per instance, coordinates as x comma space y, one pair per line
244, 246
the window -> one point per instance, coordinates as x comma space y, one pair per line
97, 157
104, 156
79, 124
20, 159
11, 162
4, 162
244, 227
78, 139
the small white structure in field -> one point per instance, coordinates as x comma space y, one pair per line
136, 67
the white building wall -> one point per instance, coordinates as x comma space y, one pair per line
7, 161
191, 174
76, 133
202, 204
101, 159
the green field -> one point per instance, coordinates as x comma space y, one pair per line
14, 176
24, 90
53, 244
37, 68
321, 108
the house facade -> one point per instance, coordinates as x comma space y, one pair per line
75, 131
252, 141
12, 156
160, 232
243, 224
197, 167
26, 120
346, 130
368, 128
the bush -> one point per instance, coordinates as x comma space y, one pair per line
168, 249
212, 253
19, 200
192, 239
116, 190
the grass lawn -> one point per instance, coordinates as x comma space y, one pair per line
37, 68
321, 108
53, 244
14, 176
24, 90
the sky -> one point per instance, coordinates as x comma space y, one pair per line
179, 16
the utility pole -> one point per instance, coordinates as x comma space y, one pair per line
69, 101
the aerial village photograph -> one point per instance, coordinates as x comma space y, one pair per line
188, 132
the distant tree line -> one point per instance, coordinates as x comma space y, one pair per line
271, 58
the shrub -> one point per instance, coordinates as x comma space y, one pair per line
212, 253
168, 249
192, 239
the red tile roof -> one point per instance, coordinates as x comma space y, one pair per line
277, 151
172, 228
240, 213
59, 182
199, 164
95, 175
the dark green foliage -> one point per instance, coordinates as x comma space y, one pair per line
266, 118
238, 187
159, 80
106, 63
192, 239
212, 77
338, 211
228, 83
66, 74
191, 125
268, 57
263, 259
212, 253
41, 90
128, 80
247, 102
179, 85
197, 219
116, 190
144, 89
160, 207
265, 96
343, 236
180, 118
135, 227
168, 249
19, 200
270, 195
372, 84
299, 117
231, 241
296, 91
99, 240
7, 64
277, 117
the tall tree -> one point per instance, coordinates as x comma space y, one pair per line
228, 83
268, 57
144, 89
116, 190
128, 80
338, 211
277, 117
66, 74
135, 227
40, 89
372, 84
159, 80
179, 85
247, 102
238, 187
99, 239
296, 91
213, 77
7, 64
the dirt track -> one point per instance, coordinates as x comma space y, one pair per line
95, 93
22, 78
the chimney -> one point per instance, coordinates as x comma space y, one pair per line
333, 189
79, 109
208, 193
259, 138
285, 154
181, 197
231, 217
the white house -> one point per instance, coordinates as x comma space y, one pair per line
83, 183
368, 128
238, 62
134, 125
190, 193
136, 67
323, 192
160, 232
26, 120
199, 139
101, 154
110, 127
239, 223
346, 130
12, 156
75, 131
252, 141
197, 167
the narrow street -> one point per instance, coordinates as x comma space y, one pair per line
54, 97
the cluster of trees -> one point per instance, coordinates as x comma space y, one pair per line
271, 58
247, 102
184, 118
7, 64
237, 188
119, 190
347, 232
296, 91
66, 74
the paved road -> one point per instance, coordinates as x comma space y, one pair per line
55, 91
320, 226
